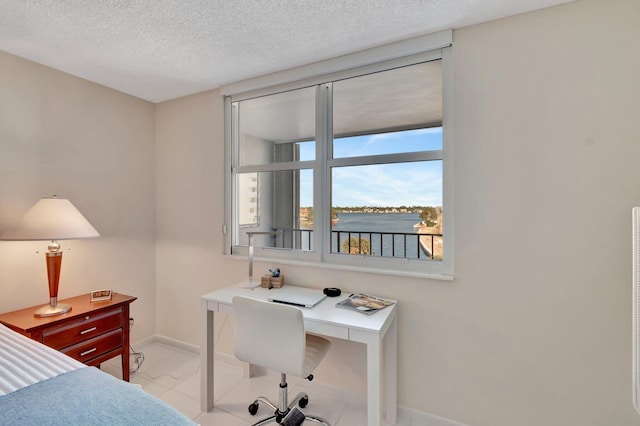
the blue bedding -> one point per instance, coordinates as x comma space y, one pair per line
86, 397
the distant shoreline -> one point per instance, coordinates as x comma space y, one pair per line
396, 211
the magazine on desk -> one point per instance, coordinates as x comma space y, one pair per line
364, 303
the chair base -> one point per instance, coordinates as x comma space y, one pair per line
273, 419
280, 412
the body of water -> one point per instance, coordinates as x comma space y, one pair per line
372, 226
377, 222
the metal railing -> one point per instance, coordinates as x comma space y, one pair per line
384, 244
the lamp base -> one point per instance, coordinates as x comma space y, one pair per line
249, 283
50, 310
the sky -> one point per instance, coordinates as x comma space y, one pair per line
384, 185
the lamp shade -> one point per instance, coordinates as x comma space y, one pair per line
51, 219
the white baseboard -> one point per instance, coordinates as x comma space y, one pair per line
188, 347
425, 419
415, 417
156, 338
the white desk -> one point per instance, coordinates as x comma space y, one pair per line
378, 331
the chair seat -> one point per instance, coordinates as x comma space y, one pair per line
317, 348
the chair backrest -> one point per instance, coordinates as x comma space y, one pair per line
270, 335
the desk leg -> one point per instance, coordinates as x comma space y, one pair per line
374, 383
391, 353
206, 357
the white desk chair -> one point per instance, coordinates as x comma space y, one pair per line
272, 335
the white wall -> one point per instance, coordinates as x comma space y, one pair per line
536, 328
547, 147
65, 136
189, 207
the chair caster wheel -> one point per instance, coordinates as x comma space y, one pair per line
253, 408
303, 402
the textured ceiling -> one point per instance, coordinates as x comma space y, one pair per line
163, 49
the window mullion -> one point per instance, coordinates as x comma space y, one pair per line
274, 167
232, 109
322, 209
405, 157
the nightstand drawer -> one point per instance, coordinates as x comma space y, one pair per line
95, 347
81, 329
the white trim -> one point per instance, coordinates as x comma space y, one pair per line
402, 157
276, 167
387, 52
229, 195
321, 187
447, 161
156, 338
416, 417
441, 276
635, 238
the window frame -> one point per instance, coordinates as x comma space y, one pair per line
321, 256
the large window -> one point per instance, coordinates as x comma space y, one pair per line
348, 172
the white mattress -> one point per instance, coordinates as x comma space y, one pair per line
24, 362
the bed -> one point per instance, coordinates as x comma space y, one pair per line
39, 385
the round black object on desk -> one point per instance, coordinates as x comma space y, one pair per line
332, 291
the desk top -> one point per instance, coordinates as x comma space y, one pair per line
324, 312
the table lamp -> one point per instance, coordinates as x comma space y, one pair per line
251, 282
52, 219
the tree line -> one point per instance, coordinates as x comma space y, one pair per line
428, 214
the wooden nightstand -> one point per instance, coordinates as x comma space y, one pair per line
92, 332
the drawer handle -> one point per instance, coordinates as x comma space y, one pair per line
88, 352
88, 330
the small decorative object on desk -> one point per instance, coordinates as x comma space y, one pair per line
99, 295
272, 280
265, 281
364, 303
277, 282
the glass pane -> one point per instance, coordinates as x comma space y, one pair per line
306, 151
388, 143
382, 103
274, 128
390, 210
247, 207
279, 202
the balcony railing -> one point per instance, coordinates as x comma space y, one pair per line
383, 244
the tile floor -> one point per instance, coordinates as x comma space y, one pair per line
173, 375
